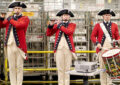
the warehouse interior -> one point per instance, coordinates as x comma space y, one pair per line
40, 68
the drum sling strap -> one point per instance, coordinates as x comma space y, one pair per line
105, 32
105, 79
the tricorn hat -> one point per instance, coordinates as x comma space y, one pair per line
106, 11
65, 11
17, 4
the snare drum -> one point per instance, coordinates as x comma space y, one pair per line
111, 59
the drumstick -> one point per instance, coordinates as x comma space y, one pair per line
114, 41
104, 48
107, 48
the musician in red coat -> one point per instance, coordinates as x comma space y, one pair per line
15, 41
64, 46
102, 36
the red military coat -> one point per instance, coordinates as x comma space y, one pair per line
97, 34
68, 31
20, 30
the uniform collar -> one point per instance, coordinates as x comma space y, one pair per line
106, 21
17, 16
65, 21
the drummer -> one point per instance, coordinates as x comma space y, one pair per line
102, 36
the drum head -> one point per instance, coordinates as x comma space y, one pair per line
111, 52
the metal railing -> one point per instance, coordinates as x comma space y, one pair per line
38, 69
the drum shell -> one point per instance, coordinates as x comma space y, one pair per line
112, 64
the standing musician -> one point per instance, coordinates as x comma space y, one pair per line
64, 46
15, 41
102, 36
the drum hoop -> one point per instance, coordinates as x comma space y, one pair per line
113, 55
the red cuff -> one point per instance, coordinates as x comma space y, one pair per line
26, 58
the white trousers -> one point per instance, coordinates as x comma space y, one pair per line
15, 61
104, 77
63, 61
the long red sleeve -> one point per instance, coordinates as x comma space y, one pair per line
3, 23
69, 30
21, 23
94, 34
51, 31
116, 33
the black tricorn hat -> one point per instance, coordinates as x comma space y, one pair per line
65, 11
17, 4
106, 11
